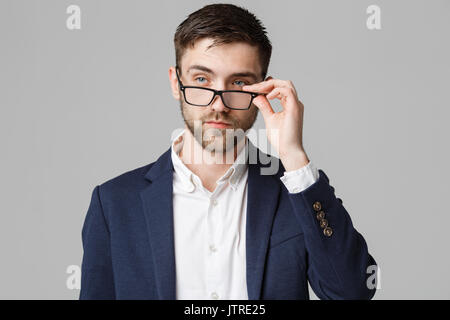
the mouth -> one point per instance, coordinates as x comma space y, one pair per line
218, 124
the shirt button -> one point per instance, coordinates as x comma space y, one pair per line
214, 295
296, 189
212, 248
214, 202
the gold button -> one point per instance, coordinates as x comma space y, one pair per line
320, 215
317, 206
328, 231
323, 223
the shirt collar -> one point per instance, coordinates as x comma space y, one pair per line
233, 175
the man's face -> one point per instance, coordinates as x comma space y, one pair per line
217, 68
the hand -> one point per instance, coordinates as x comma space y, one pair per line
288, 123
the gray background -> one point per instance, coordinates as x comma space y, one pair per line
80, 107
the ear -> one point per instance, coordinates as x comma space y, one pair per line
174, 83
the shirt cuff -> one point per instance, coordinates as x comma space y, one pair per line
298, 180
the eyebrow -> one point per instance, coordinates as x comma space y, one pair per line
236, 74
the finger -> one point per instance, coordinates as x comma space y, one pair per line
268, 85
264, 106
285, 95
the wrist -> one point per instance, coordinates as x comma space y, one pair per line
294, 160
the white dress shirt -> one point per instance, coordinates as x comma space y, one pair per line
209, 228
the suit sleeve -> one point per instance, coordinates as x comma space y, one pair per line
96, 269
338, 257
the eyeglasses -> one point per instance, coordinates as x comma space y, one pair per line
202, 97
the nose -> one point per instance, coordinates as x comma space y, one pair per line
217, 105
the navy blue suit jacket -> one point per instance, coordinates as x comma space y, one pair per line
128, 239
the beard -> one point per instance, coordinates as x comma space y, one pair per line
217, 140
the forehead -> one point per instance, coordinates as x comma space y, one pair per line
223, 59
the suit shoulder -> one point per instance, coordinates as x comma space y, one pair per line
128, 180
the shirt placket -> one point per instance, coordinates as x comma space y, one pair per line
212, 252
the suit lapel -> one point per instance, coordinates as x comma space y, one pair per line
158, 211
263, 193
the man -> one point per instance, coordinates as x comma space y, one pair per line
184, 228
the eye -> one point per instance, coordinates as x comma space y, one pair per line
200, 78
242, 83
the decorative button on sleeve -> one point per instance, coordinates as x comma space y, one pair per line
328, 231
320, 215
317, 206
323, 223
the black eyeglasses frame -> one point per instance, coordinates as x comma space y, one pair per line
216, 93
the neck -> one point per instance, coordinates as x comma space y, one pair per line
208, 166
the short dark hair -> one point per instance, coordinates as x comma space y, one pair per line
224, 23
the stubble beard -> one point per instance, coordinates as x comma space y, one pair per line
217, 140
